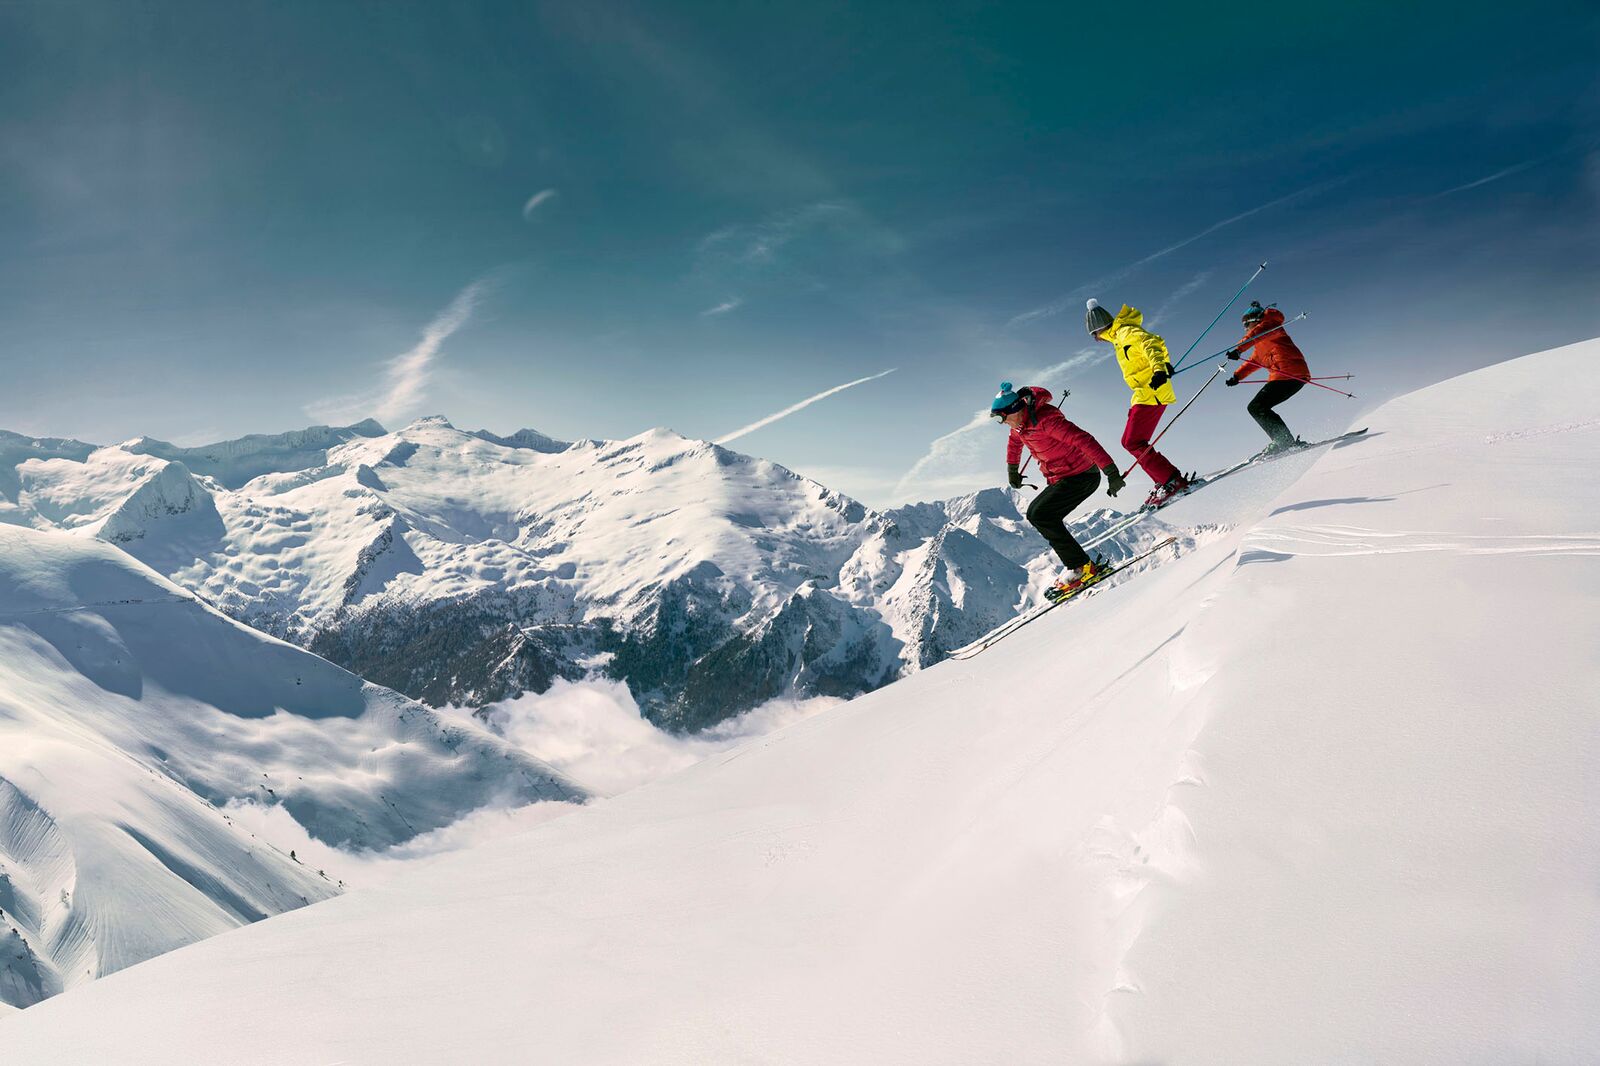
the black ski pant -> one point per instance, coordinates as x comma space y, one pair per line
1261, 408
1049, 509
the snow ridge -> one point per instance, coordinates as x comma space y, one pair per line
236, 462
132, 715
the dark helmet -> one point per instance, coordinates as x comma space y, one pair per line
1253, 313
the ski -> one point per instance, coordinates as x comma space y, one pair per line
1135, 517
1257, 460
999, 633
1254, 460
1131, 520
1195, 484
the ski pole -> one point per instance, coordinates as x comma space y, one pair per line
1266, 333
1303, 381
1325, 377
1163, 433
1220, 313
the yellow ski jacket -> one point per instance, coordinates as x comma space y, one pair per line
1140, 354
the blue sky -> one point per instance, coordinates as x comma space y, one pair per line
595, 218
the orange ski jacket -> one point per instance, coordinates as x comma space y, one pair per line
1277, 353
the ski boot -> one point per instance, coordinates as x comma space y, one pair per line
1176, 486
1089, 574
1279, 447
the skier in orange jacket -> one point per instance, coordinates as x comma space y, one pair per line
1287, 372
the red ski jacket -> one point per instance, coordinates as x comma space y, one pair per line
1277, 353
1061, 448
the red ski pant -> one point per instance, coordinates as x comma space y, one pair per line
1142, 421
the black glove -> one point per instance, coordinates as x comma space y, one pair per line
1159, 378
1231, 382
1013, 475
1114, 480
1232, 353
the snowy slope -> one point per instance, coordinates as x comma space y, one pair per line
464, 567
130, 713
1318, 791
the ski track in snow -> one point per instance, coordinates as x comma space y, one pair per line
96, 605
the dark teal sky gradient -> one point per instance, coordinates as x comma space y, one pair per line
223, 218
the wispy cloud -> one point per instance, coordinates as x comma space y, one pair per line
543, 196
1089, 353
1185, 290
806, 247
405, 377
1496, 176
954, 463
792, 408
1076, 296
722, 308
759, 243
958, 450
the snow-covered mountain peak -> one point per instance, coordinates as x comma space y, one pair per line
169, 493
985, 503
466, 567
531, 439
427, 422
234, 463
9, 439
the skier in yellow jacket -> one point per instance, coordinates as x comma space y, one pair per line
1147, 369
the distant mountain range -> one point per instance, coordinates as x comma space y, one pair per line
465, 567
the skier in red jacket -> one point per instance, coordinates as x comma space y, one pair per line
1286, 368
1070, 461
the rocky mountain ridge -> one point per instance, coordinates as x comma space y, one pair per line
465, 567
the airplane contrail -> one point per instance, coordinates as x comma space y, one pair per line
807, 402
